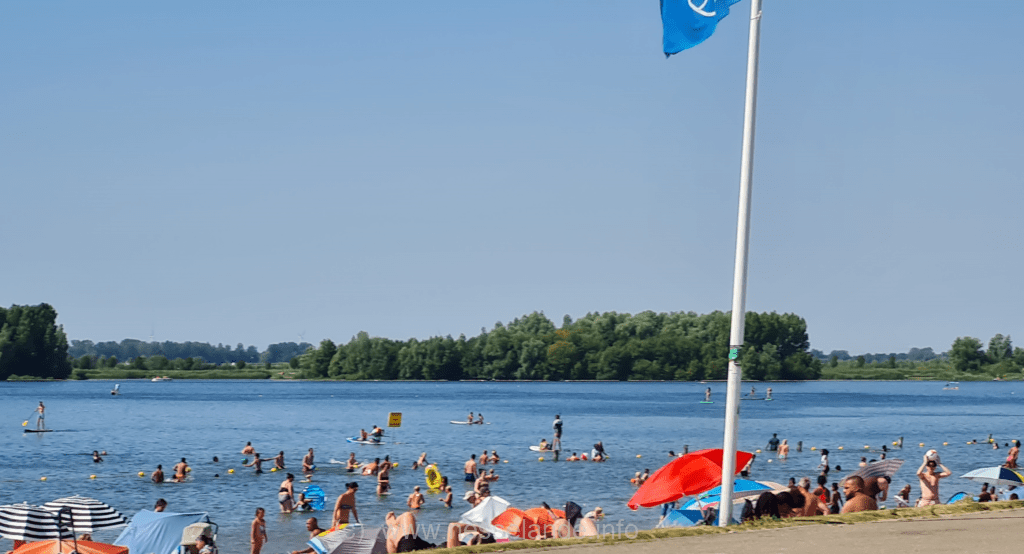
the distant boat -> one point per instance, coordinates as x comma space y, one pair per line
116, 391
952, 385
158, 379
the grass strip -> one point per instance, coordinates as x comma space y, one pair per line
655, 534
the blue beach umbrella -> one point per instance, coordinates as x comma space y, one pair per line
742, 488
995, 476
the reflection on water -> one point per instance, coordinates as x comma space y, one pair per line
158, 423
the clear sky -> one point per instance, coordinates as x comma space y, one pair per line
249, 171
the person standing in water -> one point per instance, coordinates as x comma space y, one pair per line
707, 395
768, 394
180, 470
753, 392
258, 532
307, 463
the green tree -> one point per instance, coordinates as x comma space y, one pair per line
999, 348
966, 354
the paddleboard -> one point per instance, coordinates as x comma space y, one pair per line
768, 399
38, 430
357, 441
707, 401
536, 448
468, 423
753, 398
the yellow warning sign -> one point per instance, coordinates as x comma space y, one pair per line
394, 419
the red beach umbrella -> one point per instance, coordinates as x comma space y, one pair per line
514, 522
688, 475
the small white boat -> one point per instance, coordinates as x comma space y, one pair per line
158, 379
116, 391
952, 385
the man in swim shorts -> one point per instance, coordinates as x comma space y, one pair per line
248, 450
773, 443
158, 475
307, 462
180, 470
415, 500
470, 469
929, 477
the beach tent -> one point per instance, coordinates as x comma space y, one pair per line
353, 539
157, 532
482, 514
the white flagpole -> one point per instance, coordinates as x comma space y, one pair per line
739, 285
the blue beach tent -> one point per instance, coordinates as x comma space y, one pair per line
157, 532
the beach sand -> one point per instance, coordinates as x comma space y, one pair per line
989, 531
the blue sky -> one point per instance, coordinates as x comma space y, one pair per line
245, 172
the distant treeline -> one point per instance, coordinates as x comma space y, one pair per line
967, 359
608, 346
101, 353
914, 355
31, 343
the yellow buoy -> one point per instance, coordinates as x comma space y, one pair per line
769, 461
637, 455
93, 476
394, 465
895, 443
231, 471
142, 474
813, 448
867, 447
920, 444
541, 459
840, 448
188, 470
758, 451
24, 424
945, 444
273, 469
42, 478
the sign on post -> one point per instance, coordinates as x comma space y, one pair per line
394, 419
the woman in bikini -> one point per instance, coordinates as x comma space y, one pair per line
286, 495
345, 505
258, 533
384, 477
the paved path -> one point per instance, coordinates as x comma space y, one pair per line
979, 532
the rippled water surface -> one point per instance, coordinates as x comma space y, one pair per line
158, 423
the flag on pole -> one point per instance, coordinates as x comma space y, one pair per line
687, 23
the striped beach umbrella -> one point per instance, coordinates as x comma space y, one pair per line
995, 476
87, 514
25, 522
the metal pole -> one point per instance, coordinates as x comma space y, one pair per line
739, 286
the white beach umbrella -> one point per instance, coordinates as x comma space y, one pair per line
25, 522
87, 514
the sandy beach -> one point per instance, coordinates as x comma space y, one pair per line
989, 531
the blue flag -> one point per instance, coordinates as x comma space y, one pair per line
688, 23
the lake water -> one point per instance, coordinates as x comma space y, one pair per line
158, 423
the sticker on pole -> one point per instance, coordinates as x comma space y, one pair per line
394, 419
734, 353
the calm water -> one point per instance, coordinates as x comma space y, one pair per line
158, 423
